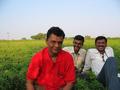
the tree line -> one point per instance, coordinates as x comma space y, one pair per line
41, 36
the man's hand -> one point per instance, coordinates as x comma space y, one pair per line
29, 85
68, 86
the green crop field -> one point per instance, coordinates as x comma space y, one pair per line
15, 56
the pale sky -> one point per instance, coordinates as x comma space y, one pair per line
24, 18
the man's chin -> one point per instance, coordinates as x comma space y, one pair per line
101, 50
76, 49
55, 52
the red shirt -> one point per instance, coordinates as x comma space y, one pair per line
51, 75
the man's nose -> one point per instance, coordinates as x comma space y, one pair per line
56, 44
101, 44
77, 45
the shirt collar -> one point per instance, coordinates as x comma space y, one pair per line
74, 52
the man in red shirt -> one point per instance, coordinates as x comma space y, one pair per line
51, 68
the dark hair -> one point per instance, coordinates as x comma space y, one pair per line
79, 37
55, 30
100, 38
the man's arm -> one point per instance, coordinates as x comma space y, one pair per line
68, 86
29, 85
70, 76
88, 62
33, 71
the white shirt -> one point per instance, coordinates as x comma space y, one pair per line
78, 58
94, 59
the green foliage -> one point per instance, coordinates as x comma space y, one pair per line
90, 83
39, 36
15, 56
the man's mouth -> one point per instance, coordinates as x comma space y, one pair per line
100, 47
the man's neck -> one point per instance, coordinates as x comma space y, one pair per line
54, 56
102, 52
54, 59
76, 52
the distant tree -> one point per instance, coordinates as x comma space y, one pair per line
23, 38
39, 36
87, 36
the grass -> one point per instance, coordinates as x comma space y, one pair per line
16, 54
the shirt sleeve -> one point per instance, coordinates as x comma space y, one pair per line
109, 52
83, 54
112, 52
88, 62
70, 70
68, 49
34, 67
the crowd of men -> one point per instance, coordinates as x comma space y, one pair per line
56, 68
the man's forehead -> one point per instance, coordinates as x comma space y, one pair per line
55, 37
75, 40
99, 40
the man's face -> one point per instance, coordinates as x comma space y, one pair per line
100, 45
77, 44
54, 44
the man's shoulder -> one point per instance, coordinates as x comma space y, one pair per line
40, 52
82, 50
65, 54
109, 48
68, 49
92, 50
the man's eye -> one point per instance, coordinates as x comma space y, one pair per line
77, 43
53, 42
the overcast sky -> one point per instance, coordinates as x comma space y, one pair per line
23, 18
